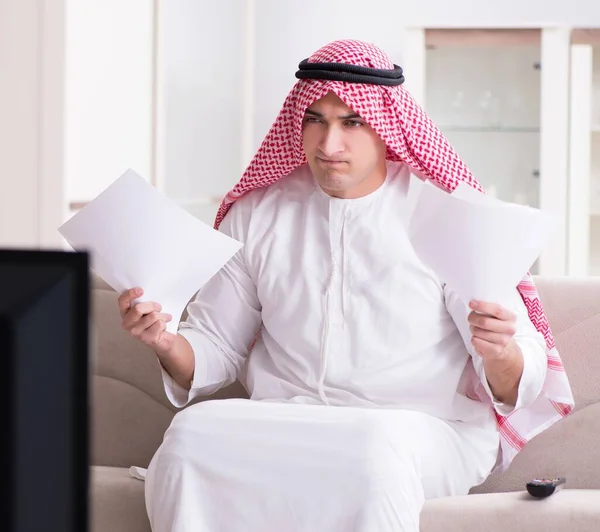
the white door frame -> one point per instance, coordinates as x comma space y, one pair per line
51, 184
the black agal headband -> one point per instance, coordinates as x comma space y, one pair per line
350, 73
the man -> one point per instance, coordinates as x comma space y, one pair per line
372, 386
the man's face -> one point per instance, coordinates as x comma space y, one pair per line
345, 155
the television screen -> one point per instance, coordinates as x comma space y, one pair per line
44, 330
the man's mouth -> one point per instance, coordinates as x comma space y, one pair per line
330, 162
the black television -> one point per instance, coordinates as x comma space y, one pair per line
44, 332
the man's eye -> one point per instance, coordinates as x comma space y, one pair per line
354, 123
311, 120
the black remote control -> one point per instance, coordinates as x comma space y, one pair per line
544, 487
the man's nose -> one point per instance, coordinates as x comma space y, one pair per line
331, 142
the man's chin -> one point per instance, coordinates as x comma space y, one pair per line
333, 182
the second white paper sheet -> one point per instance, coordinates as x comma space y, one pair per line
482, 247
138, 237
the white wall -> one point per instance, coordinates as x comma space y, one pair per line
202, 78
76, 108
19, 121
31, 122
109, 93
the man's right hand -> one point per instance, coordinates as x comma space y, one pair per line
146, 322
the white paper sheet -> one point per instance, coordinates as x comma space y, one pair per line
138, 237
482, 247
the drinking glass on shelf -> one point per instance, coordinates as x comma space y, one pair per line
489, 104
516, 113
458, 109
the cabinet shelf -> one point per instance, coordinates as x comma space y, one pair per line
484, 129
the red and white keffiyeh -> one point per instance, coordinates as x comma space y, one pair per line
412, 138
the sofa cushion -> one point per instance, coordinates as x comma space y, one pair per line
572, 306
118, 355
117, 505
127, 424
567, 449
116, 501
568, 510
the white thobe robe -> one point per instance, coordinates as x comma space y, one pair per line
358, 407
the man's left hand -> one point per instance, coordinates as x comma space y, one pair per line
493, 328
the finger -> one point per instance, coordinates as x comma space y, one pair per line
152, 335
127, 297
137, 312
148, 321
492, 324
491, 337
492, 309
486, 349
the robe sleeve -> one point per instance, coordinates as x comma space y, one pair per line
223, 320
530, 341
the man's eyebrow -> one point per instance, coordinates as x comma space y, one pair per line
313, 113
349, 116
341, 117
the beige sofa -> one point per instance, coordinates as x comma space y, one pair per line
130, 414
